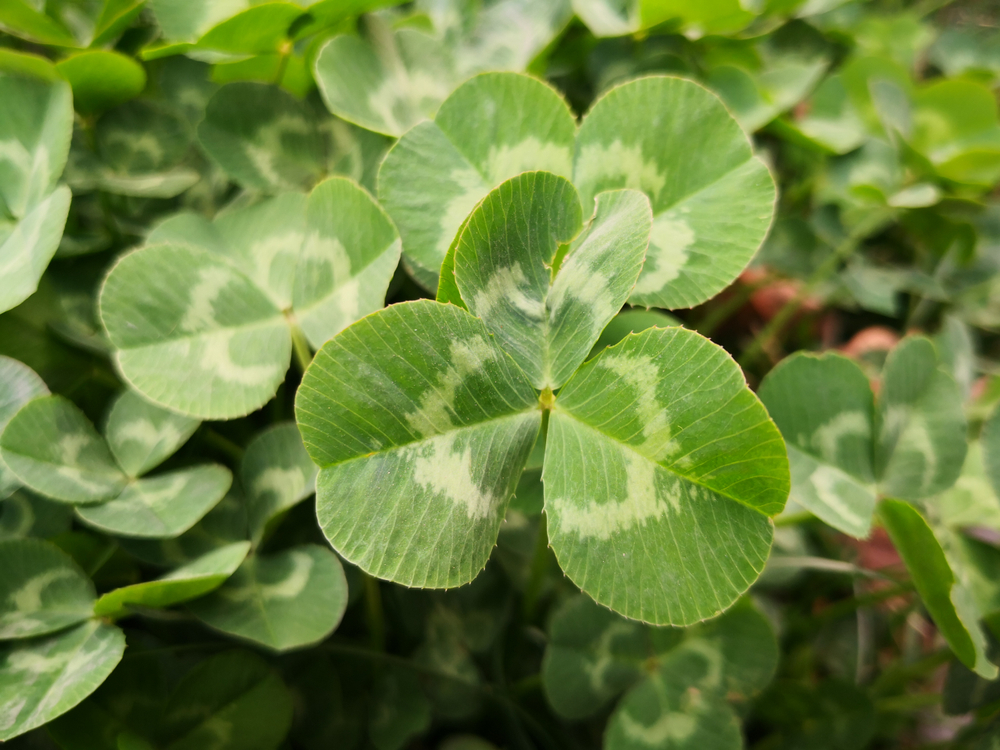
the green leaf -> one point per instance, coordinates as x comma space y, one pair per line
712, 198
387, 85
949, 604
972, 501
493, 127
276, 473
53, 449
190, 581
620, 17
28, 65
264, 138
234, 695
211, 337
282, 600
101, 79
163, 506
991, 449
824, 407
920, 424
18, 385
25, 514
42, 678
209, 344
26, 251
690, 469
421, 393
830, 120
42, 590
845, 450
504, 261
35, 131
20, 18
400, 709
141, 435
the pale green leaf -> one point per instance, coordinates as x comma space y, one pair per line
42, 678
163, 506
949, 604
190, 581
42, 590
18, 385
53, 449
263, 138
920, 424
690, 468
235, 695
350, 254
824, 407
283, 600
276, 473
386, 85
23, 19
101, 79
503, 265
712, 198
192, 333
491, 128
35, 131
421, 393
141, 435
620, 17
27, 249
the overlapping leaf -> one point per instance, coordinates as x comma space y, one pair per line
419, 392
41, 678
35, 132
282, 600
18, 385
201, 322
691, 468
276, 473
844, 450
710, 213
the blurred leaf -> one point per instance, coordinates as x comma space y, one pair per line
101, 79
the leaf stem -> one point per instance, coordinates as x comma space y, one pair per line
374, 613
300, 346
536, 573
840, 253
222, 444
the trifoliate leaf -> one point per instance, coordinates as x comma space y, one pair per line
141, 435
387, 85
101, 79
41, 591
190, 581
493, 127
282, 600
504, 262
949, 604
35, 129
52, 448
235, 694
42, 678
844, 450
18, 385
419, 392
164, 506
710, 213
211, 339
691, 467
594, 655
264, 138
276, 473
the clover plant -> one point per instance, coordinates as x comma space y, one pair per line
501, 374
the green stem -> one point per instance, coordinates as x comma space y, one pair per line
844, 250
720, 314
222, 444
536, 574
374, 613
300, 345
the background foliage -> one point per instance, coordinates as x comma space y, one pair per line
163, 579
